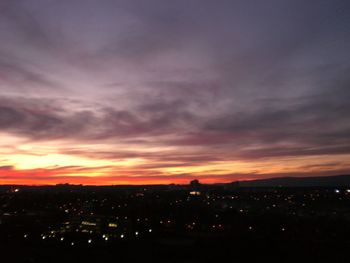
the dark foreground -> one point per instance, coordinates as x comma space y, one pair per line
174, 224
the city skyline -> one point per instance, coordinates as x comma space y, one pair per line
159, 92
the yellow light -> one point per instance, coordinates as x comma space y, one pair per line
87, 223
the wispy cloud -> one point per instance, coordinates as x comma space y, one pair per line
177, 84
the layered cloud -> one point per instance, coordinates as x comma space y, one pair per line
173, 90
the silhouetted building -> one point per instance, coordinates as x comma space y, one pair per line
195, 183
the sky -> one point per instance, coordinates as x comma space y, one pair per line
160, 91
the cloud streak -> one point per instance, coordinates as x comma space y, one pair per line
183, 87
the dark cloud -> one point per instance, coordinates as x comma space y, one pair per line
213, 81
45, 119
313, 126
26, 25
6, 168
16, 75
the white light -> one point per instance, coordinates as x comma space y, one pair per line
25, 235
62, 238
89, 241
121, 236
150, 230
72, 244
337, 191
136, 233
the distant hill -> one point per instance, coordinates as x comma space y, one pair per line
323, 181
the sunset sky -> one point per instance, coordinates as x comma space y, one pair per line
147, 92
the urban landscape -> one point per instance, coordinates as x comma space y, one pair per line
174, 131
174, 223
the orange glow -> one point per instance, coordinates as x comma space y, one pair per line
53, 162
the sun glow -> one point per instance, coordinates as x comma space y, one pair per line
59, 161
